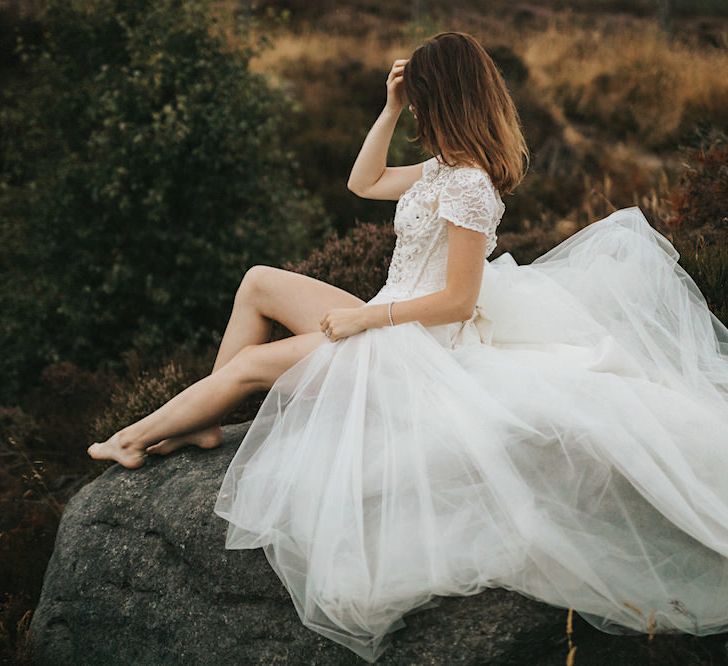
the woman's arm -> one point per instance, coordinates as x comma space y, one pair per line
456, 301
370, 176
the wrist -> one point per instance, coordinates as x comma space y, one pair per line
375, 316
393, 110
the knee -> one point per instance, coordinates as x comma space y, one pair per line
253, 282
248, 367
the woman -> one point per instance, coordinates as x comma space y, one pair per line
558, 428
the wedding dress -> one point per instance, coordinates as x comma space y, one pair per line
568, 441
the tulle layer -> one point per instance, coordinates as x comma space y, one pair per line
570, 442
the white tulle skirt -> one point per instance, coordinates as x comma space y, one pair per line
570, 442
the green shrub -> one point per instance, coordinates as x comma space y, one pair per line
142, 172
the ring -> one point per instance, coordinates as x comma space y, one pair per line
327, 333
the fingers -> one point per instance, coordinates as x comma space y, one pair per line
325, 328
395, 81
396, 78
398, 66
328, 331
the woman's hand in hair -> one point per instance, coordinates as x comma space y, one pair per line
395, 88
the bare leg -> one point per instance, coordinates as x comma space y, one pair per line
246, 326
266, 293
242, 364
202, 404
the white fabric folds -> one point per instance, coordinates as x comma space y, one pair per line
569, 442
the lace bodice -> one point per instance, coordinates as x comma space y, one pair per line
464, 195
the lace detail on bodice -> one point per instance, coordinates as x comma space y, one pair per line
463, 195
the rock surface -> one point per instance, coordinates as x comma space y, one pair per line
140, 575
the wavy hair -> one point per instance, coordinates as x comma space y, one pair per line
463, 108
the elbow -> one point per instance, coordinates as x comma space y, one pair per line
353, 188
465, 310
458, 307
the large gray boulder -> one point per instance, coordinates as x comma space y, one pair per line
140, 575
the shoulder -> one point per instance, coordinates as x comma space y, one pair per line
472, 184
466, 176
468, 198
430, 167
463, 176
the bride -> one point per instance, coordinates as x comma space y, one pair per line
559, 429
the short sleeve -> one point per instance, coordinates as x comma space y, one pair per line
469, 199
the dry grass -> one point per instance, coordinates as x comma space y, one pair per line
620, 96
370, 50
570, 656
628, 77
633, 79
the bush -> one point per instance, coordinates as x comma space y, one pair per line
697, 219
141, 173
146, 386
708, 265
357, 262
701, 196
133, 399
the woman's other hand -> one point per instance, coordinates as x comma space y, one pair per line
340, 323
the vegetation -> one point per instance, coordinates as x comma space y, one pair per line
142, 170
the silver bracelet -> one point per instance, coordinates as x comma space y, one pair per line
389, 309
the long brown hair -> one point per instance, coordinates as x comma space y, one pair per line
464, 109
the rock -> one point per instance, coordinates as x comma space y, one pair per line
140, 575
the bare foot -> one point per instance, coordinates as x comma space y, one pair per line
208, 438
120, 447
